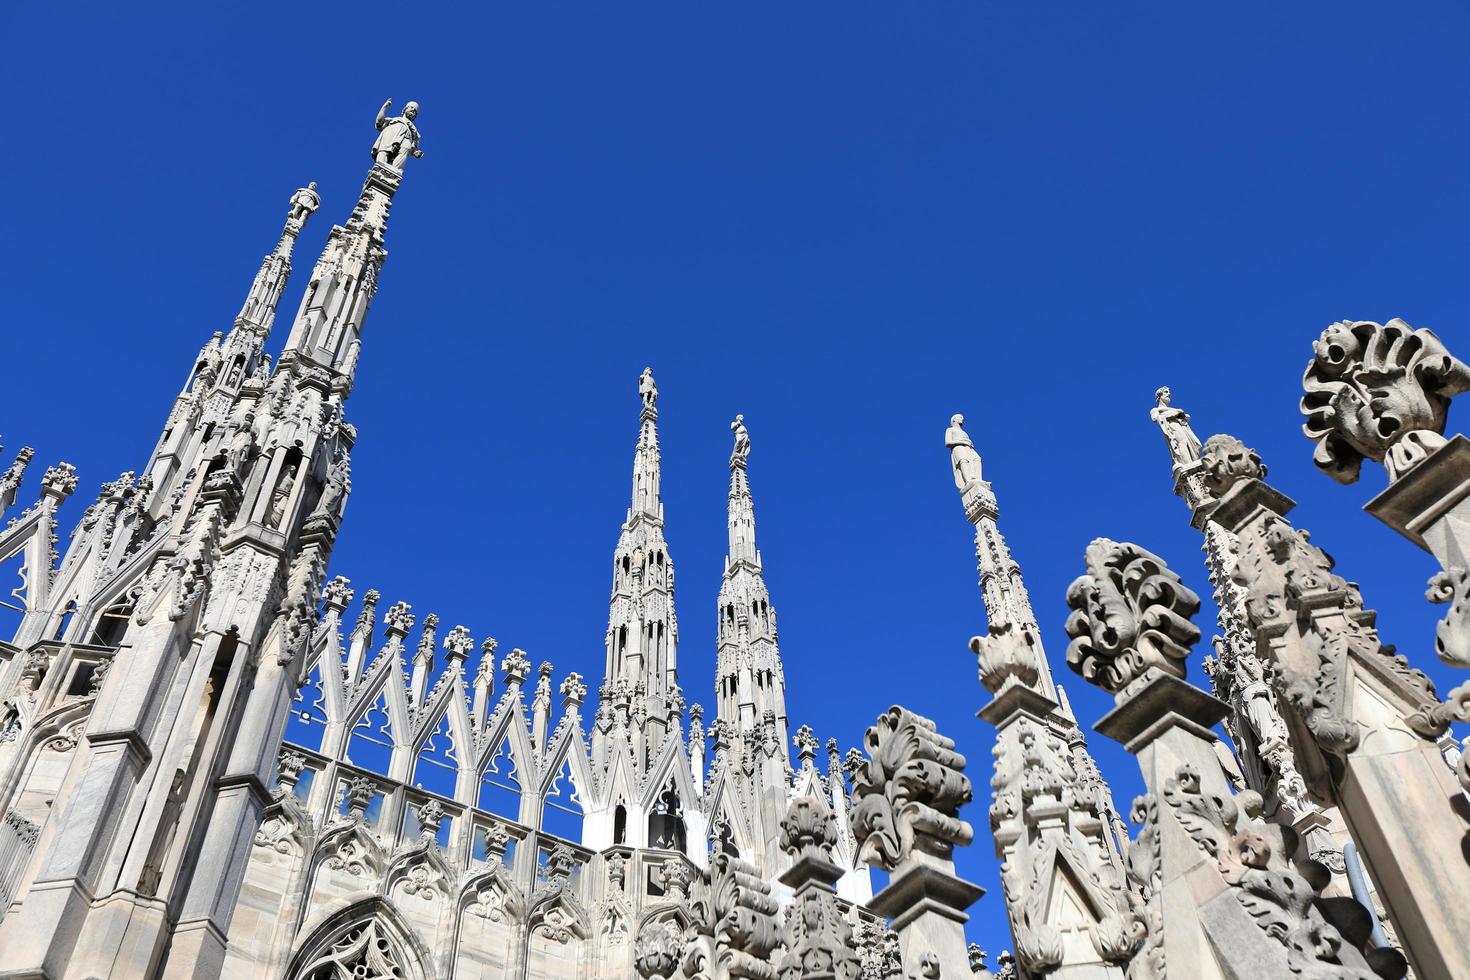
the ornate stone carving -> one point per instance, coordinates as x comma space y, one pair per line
59, 481
457, 644
363, 951
674, 877
1227, 461
656, 953
809, 829
909, 792
1255, 858
738, 910
336, 594
360, 793
1452, 635
398, 620
1379, 392
431, 815
1130, 612
288, 770
516, 666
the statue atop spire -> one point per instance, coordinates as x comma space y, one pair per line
1183, 443
648, 390
398, 137
741, 452
303, 205
962, 455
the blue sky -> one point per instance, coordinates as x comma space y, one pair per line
846, 221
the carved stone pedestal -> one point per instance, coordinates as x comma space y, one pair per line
927, 906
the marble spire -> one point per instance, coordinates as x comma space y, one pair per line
749, 677
641, 680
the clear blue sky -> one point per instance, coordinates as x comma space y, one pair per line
846, 221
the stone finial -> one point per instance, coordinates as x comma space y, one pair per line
573, 691
516, 666
977, 960
657, 950
543, 679
369, 612
1008, 655
10, 479
497, 840
1130, 613
674, 878
360, 793
806, 746
427, 638
909, 792
288, 770
559, 864
59, 481
809, 829
431, 815
398, 620
336, 594
1227, 461
1380, 392
457, 645
617, 870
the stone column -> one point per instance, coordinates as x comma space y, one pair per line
908, 794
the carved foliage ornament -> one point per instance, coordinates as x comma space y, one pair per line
1227, 461
909, 791
1255, 858
656, 953
1130, 612
1378, 391
809, 829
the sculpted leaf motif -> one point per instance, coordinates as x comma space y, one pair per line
1380, 392
909, 791
1130, 613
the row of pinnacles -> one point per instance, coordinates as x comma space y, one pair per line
209, 767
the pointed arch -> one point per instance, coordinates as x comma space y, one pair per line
563, 804
306, 724
499, 790
366, 940
436, 765
372, 736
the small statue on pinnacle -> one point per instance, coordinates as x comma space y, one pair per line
647, 389
398, 137
962, 455
303, 205
742, 441
1183, 443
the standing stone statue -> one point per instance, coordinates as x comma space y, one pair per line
646, 388
398, 137
742, 441
304, 204
962, 455
1183, 443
